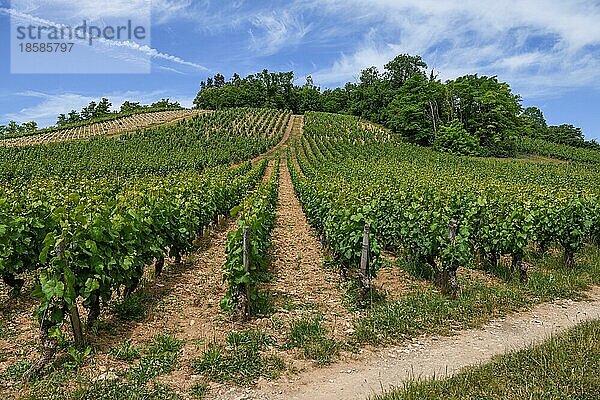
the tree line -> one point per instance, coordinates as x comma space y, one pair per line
14, 128
93, 112
470, 115
97, 111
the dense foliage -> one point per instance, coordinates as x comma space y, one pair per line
534, 126
439, 210
196, 143
256, 215
94, 213
409, 99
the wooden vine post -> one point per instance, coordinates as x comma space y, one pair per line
365, 276
243, 304
74, 314
449, 282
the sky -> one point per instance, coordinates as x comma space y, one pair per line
548, 51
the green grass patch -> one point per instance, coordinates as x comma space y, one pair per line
117, 390
159, 357
351, 298
551, 280
4, 331
126, 351
15, 371
428, 311
563, 367
200, 390
241, 360
309, 334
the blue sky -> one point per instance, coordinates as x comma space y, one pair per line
549, 51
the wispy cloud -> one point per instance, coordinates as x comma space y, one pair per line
275, 31
541, 46
161, 11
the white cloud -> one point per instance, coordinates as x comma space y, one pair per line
153, 53
276, 31
541, 46
161, 10
348, 67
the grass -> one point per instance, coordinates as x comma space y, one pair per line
159, 357
428, 311
551, 280
131, 308
425, 311
308, 334
117, 390
15, 371
4, 331
241, 360
563, 367
125, 351
200, 390
351, 298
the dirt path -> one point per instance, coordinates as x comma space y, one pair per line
439, 356
285, 138
297, 260
297, 257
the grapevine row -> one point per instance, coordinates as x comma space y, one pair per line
247, 246
438, 210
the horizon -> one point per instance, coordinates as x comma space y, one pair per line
548, 52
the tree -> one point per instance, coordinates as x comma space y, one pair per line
407, 113
371, 96
454, 139
415, 110
29, 127
402, 68
309, 96
89, 112
103, 108
128, 107
12, 128
219, 81
62, 120
73, 117
334, 101
566, 134
533, 123
487, 109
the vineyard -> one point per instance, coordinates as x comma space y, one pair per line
439, 211
107, 128
200, 229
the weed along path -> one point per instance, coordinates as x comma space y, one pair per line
426, 357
